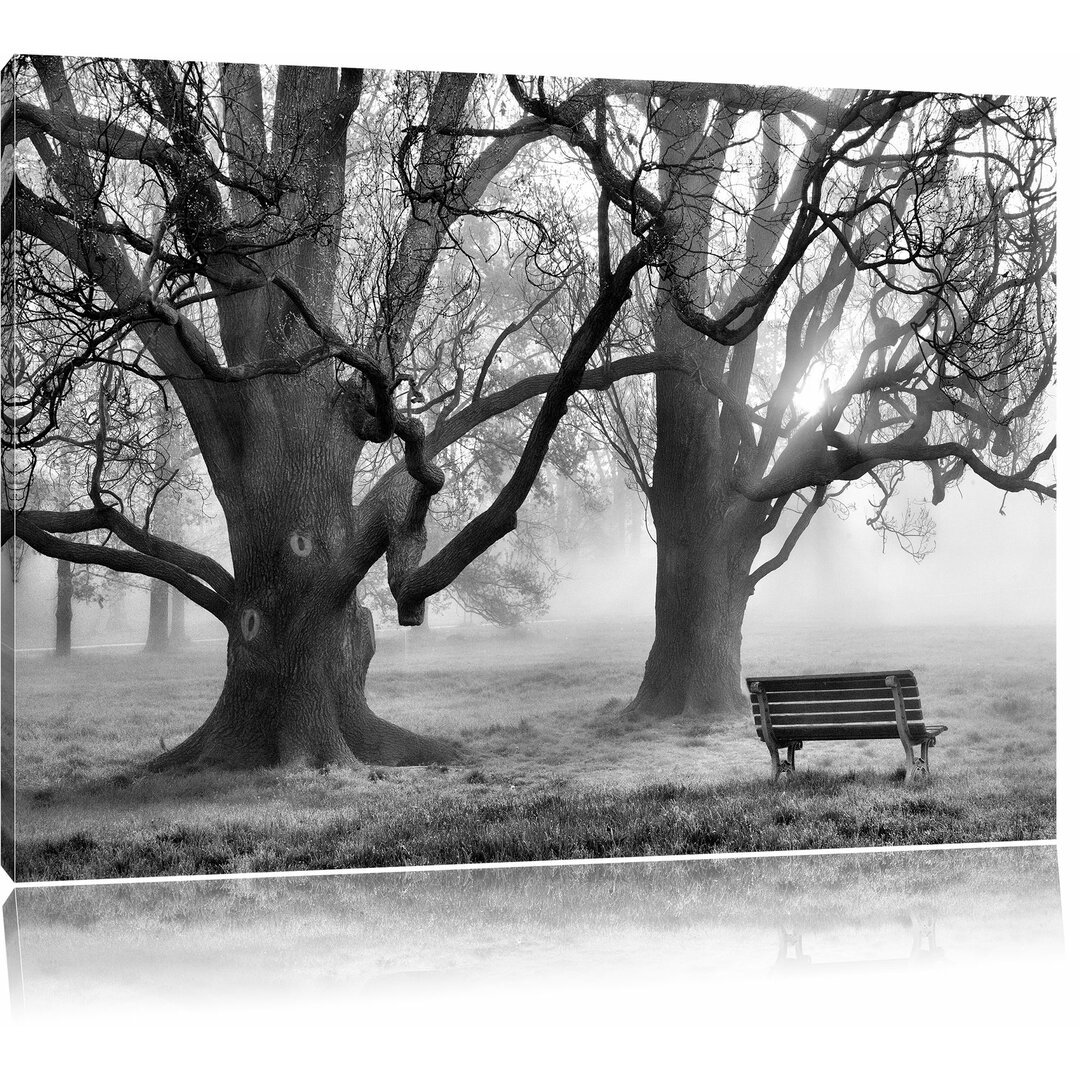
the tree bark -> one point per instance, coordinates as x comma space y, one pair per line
298, 698
157, 633
63, 608
299, 641
702, 587
694, 663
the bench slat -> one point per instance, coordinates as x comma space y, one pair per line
789, 733
839, 708
868, 693
847, 681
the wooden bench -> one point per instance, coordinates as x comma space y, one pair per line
790, 710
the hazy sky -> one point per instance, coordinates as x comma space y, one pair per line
986, 567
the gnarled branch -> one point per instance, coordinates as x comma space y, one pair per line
129, 562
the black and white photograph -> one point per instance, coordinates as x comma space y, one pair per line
529, 540
426, 468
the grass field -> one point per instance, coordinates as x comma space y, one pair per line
551, 772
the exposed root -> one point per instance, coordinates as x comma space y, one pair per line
378, 742
364, 739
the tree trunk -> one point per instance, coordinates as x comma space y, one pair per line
178, 637
281, 452
702, 586
298, 698
299, 641
63, 608
707, 537
157, 634
704, 545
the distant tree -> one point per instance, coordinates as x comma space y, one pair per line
75, 583
178, 499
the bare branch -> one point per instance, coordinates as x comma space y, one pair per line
792, 538
105, 517
130, 562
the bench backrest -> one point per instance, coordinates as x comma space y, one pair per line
847, 705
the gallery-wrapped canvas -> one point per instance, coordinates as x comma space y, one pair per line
419, 468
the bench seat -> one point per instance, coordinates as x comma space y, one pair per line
790, 710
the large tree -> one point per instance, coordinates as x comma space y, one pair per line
194, 225
202, 226
917, 325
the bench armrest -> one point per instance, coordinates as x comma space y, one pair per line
901, 712
766, 721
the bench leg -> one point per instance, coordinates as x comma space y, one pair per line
775, 755
910, 767
783, 770
918, 768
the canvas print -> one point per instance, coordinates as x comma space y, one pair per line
408, 467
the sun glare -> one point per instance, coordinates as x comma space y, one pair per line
811, 394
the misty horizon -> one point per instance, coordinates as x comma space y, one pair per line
986, 569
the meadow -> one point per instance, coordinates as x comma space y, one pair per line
550, 770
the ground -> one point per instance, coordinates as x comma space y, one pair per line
551, 771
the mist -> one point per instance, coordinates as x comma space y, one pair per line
987, 568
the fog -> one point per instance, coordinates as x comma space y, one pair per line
987, 568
